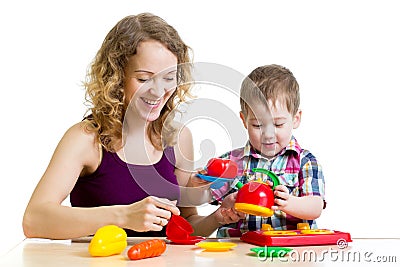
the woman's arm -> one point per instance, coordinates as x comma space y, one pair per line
78, 154
202, 225
183, 170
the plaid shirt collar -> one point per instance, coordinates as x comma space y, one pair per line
249, 150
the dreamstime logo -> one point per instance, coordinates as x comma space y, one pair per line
208, 114
342, 254
342, 243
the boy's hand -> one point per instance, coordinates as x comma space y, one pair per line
226, 213
281, 197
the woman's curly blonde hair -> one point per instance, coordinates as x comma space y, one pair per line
105, 80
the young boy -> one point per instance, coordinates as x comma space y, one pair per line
269, 100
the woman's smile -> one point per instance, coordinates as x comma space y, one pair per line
150, 79
151, 103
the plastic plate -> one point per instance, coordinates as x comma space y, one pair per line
217, 182
216, 246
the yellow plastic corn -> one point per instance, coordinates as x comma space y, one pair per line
108, 240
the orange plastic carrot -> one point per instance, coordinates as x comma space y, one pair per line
147, 249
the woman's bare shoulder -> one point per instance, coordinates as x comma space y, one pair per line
80, 132
183, 132
184, 148
79, 141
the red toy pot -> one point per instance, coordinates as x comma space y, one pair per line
257, 198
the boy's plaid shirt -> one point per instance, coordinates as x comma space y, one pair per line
296, 168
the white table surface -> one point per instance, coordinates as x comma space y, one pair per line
59, 253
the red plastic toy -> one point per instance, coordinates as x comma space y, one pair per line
222, 168
256, 197
179, 231
289, 238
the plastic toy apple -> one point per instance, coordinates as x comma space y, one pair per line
256, 197
223, 168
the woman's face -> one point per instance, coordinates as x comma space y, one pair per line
150, 79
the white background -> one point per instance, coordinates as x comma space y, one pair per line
345, 55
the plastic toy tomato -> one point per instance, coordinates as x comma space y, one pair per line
223, 168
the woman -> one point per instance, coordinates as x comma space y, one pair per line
110, 162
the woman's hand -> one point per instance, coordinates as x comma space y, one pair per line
150, 214
226, 213
196, 181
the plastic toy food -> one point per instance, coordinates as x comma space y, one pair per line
147, 249
108, 240
257, 198
179, 231
223, 168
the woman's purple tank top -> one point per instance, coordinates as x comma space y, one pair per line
116, 182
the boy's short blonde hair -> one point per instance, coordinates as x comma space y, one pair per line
270, 83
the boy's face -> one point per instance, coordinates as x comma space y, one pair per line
270, 128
